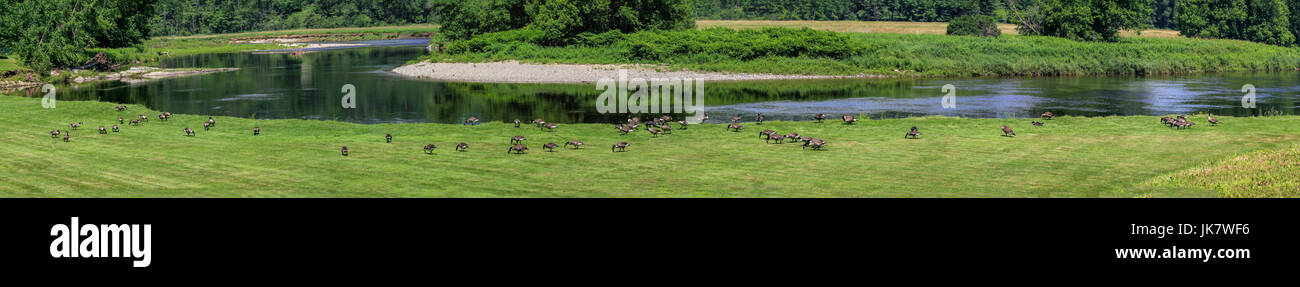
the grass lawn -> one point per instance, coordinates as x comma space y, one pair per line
1069, 157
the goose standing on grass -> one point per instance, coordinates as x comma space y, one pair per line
1213, 121
471, 121
735, 127
575, 143
621, 146
848, 120
517, 139
1006, 131
516, 123
344, 150
1048, 115
428, 149
388, 138
550, 146
462, 147
735, 119
819, 117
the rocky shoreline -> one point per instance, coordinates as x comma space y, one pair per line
516, 72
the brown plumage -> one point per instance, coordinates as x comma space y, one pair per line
143, 118
758, 118
516, 123
344, 150
517, 139
54, 133
114, 128
1213, 121
654, 131
471, 121
775, 137
1048, 115
704, 116
1036, 123
67, 136
793, 137
189, 131
462, 147
735, 119
819, 117
207, 126
121, 108
388, 138
735, 127
625, 129
766, 133
575, 143
1006, 131
814, 143
212, 122
428, 149
538, 122
913, 134
621, 146
848, 120
74, 125
683, 124
550, 146
135, 122
121, 121
257, 131
517, 149
668, 128
549, 126
102, 130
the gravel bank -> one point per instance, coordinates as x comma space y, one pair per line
515, 72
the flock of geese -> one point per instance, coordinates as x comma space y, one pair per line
655, 126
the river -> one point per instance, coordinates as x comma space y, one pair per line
310, 86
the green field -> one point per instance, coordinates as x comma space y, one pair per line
1069, 157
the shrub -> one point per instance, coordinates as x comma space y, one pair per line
974, 25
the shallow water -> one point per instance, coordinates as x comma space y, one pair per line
309, 86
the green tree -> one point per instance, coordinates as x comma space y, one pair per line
1265, 21
1084, 20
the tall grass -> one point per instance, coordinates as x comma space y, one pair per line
815, 52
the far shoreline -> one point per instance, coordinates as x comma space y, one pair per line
516, 72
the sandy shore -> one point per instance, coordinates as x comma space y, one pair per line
144, 74
515, 72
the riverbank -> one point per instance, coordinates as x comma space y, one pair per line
955, 157
780, 51
516, 72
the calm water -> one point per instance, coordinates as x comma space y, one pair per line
310, 87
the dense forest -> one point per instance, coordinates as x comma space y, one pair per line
184, 17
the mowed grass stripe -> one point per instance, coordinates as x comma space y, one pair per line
955, 157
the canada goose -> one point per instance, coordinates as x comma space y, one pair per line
54, 133
162, 118
848, 120
913, 134
574, 143
115, 128
516, 123
75, 125
814, 143
735, 127
207, 126
189, 132
704, 116
462, 147
66, 136
517, 140
758, 118
212, 122
121, 121
621, 146
1182, 117
517, 149
1048, 115
1212, 120
388, 138
667, 118
257, 131
775, 137
682, 123
668, 128
625, 129
634, 120
793, 137
144, 118
735, 119
471, 121
1185, 124
654, 132
167, 114
135, 122
102, 130
766, 133
819, 117
548, 127
1006, 131
538, 122
121, 108
344, 151
550, 146
1036, 123
428, 149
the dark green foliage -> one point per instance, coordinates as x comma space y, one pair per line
1265, 21
46, 34
650, 46
185, 17
974, 25
876, 10
559, 21
1083, 20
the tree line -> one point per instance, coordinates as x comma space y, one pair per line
185, 17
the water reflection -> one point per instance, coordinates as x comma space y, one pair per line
309, 87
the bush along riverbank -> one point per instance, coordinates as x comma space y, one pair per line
812, 52
953, 157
